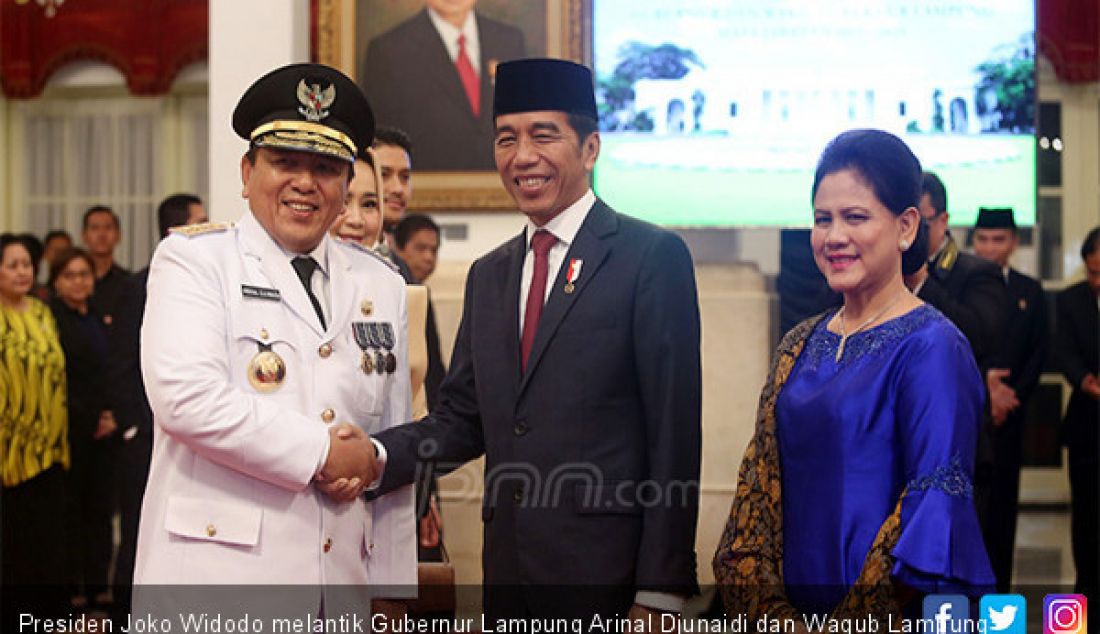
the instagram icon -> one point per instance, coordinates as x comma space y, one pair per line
1065, 614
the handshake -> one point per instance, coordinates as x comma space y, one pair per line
352, 464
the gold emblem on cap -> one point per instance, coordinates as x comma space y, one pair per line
367, 307
314, 100
266, 371
264, 334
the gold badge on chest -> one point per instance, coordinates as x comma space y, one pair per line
266, 370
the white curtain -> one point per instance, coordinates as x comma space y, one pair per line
84, 152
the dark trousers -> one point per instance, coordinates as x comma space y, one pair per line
33, 518
999, 525
1084, 486
133, 472
91, 497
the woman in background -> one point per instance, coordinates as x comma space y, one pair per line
34, 444
91, 427
361, 220
855, 492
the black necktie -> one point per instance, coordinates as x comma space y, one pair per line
304, 267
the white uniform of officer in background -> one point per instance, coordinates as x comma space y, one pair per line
247, 386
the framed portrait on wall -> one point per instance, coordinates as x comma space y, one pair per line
428, 66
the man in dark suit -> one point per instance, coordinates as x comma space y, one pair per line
132, 410
101, 233
1013, 377
576, 372
432, 76
1077, 355
968, 290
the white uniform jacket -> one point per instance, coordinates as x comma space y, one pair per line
229, 498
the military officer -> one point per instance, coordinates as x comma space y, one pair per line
1012, 379
260, 340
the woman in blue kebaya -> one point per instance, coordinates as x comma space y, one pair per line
855, 493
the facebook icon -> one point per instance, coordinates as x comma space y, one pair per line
946, 613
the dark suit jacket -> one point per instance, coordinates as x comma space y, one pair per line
124, 361
592, 456
971, 292
84, 341
109, 292
1076, 354
412, 84
1025, 342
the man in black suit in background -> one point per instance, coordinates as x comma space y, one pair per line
132, 411
1013, 377
576, 372
968, 290
1077, 356
432, 76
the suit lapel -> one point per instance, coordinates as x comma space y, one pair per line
342, 294
276, 266
512, 275
439, 64
590, 247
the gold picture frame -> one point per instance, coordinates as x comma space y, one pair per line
568, 36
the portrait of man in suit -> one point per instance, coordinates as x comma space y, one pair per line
432, 76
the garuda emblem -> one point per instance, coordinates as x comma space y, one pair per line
314, 100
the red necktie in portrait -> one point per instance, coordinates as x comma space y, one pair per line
468, 76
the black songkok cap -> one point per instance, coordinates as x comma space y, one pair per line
999, 218
528, 85
306, 107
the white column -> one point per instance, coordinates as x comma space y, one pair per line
1080, 172
248, 38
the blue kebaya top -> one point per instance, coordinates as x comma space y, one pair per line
900, 409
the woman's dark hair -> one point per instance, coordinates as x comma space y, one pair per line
891, 170
8, 239
62, 261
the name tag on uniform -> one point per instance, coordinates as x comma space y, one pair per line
271, 294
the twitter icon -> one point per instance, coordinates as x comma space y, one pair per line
1004, 613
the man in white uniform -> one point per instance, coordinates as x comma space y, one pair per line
261, 340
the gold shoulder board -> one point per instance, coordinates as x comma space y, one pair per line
197, 230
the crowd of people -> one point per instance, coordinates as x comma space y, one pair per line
244, 403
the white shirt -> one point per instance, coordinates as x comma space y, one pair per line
564, 226
449, 34
319, 282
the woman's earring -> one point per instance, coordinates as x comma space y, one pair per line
903, 244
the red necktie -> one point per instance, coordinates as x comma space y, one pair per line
541, 243
468, 75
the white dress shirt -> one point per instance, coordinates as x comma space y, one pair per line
319, 282
449, 34
564, 226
